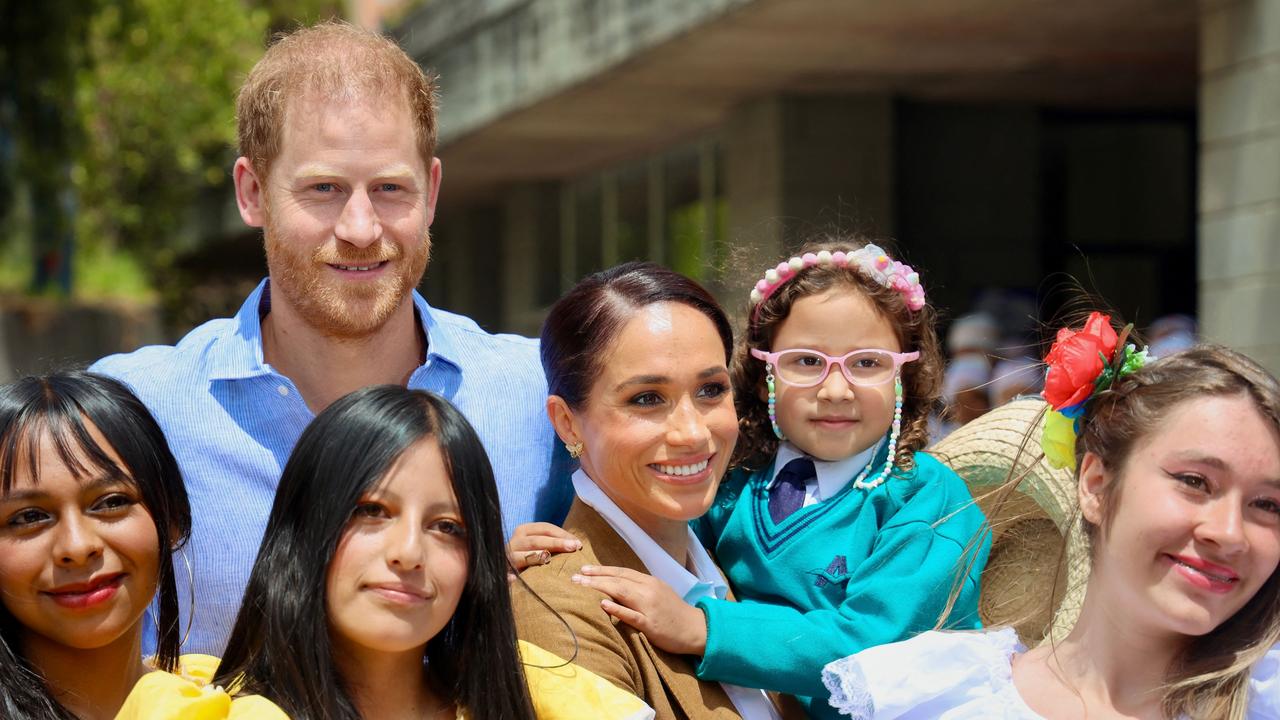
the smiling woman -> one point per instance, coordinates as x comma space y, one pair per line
91, 506
1179, 499
636, 359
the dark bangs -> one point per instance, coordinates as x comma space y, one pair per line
58, 420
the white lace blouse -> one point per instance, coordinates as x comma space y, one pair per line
967, 676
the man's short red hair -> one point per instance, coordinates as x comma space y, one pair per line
329, 61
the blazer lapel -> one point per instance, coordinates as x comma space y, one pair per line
697, 699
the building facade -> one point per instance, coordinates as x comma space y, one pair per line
1017, 153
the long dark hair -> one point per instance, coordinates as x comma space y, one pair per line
280, 647
583, 323
61, 407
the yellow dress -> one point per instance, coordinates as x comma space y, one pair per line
564, 691
559, 690
187, 695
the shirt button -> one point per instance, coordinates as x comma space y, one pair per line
284, 391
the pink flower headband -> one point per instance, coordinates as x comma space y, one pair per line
870, 260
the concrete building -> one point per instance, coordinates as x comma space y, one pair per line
1003, 145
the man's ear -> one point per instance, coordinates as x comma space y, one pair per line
434, 173
563, 420
1091, 486
251, 193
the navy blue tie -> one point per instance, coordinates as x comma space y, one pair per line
787, 495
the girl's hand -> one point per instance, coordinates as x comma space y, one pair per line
650, 606
534, 543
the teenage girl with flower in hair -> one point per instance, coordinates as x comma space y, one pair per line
835, 531
1178, 484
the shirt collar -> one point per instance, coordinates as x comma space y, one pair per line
832, 475
706, 579
240, 356
440, 340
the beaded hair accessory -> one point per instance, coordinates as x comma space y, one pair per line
870, 260
1082, 364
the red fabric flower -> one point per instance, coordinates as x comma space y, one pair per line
1076, 359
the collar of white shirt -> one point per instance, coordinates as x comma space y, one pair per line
692, 586
831, 476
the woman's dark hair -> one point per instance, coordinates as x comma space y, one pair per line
61, 408
583, 323
915, 330
280, 646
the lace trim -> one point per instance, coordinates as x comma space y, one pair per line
848, 688
1005, 644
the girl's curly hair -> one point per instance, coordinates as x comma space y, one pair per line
921, 380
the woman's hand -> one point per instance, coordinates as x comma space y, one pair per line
650, 606
534, 543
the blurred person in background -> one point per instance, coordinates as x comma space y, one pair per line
1014, 377
971, 340
973, 335
1170, 334
964, 392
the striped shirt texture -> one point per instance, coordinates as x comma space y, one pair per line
231, 421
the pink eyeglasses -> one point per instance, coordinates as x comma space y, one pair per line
799, 367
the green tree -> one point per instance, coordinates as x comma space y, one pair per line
155, 101
40, 49
117, 117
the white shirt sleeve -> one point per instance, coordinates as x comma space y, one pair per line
935, 674
1264, 688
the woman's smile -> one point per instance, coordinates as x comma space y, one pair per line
1204, 574
686, 471
659, 427
85, 595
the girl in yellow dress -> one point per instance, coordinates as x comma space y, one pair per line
380, 589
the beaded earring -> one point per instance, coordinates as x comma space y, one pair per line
773, 402
860, 481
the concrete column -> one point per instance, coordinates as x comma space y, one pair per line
796, 167
1239, 275
530, 255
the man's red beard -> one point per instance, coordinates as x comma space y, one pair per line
345, 310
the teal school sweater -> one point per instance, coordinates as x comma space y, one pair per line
859, 569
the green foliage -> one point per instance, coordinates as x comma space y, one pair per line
40, 49
117, 129
686, 229
288, 14
155, 101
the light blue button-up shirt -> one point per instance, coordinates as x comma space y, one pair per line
232, 420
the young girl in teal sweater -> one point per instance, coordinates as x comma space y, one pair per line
835, 531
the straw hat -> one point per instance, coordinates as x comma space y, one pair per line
1029, 579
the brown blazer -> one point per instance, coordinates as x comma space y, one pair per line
608, 647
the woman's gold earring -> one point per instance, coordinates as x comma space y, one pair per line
575, 449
